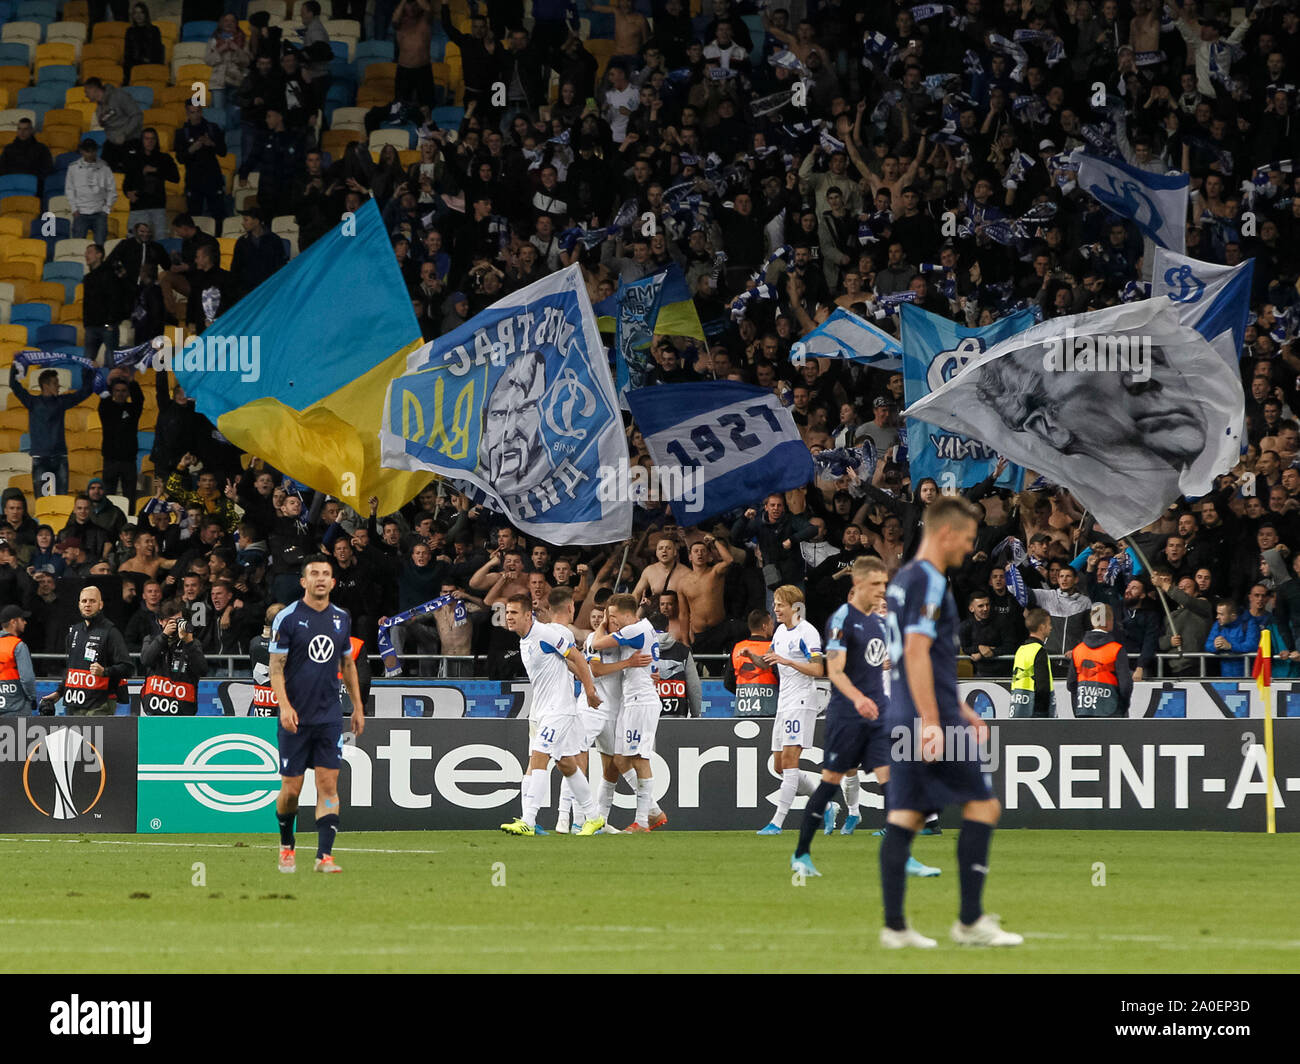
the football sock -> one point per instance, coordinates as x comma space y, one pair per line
581, 791
630, 776
852, 792
972, 862
812, 816
605, 799
789, 788
809, 782
528, 794
644, 800
326, 828
895, 848
286, 828
566, 801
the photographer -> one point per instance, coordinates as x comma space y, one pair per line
173, 662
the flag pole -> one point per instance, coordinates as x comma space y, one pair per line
1266, 690
1163, 601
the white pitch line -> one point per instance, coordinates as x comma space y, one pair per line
205, 845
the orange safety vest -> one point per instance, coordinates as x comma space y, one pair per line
8, 666
746, 671
1097, 664
357, 645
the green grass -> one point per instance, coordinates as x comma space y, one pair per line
683, 902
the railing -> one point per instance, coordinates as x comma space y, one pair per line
237, 666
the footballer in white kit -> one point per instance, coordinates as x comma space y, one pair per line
797, 654
638, 715
552, 662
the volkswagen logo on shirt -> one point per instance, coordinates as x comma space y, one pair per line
321, 649
875, 652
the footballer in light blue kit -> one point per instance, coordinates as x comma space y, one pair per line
552, 662
308, 654
857, 736
935, 761
797, 654
638, 716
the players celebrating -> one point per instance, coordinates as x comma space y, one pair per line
931, 768
309, 651
638, 716
856, 734
797, 654
552, 662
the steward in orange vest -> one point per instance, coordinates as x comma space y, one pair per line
1100, 683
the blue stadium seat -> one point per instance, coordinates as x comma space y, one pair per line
438, 49
342, 70
46, 96
98, 136
17, 185
12, 53
602, 25
57, 75
372, 50
448, 117
341, 93
33, 315
6, 11
55, 184
63, 161
171, 245
50, 337
42, 11
141, 94
62, 229
197, 31
340, 49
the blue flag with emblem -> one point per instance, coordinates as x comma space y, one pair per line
728, 444
845, 335
1213, 300
1155, 203
660, 303
518, 403
934, 351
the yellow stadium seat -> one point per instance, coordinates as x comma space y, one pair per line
384, 72
109, 49
13, 334
15, 77
23, 482
65, 116
150, 72
105, 69
172, 94
73, 314
227, 250
10, 227
109, 31
57, 52
22, 248
53, 510
192, 72
169, 31
60, 139
76, 11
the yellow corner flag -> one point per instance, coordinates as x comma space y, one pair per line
1263, 673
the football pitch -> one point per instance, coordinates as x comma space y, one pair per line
461, 901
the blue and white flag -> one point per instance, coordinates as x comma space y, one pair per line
1213, 300
1156, 204
936, 350
1126, 406
845, 335
738, 440
519, 402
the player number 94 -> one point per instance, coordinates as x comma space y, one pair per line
633, 736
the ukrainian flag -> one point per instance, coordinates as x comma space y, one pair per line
660, 305
329, 331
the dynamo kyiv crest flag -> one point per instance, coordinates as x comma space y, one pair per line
1213, 300
737, 438
1155, 203
845, 335
935, 351
1126, 406
517, 402
660, 303
285, 375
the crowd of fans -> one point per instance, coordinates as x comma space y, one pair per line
825, 155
